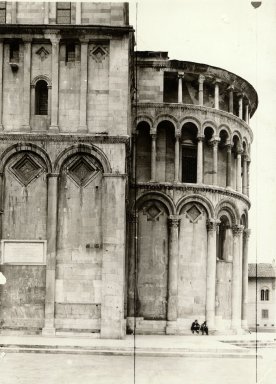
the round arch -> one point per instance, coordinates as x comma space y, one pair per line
190, 119
143, 118
41, 77
196, 199
211, 124
236, 133
82, 148
165, 117
231, 208
224, 127
25, 147
167, 201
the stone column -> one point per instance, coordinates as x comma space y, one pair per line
247, 112
13, 12
199, 172
46, 13
134, 136
217, 81
176, 159
238, 173
132, 263
1, 207
26, 84
229, 166
180, 78
180, 162
78, 12
55, 83
113, 261
231, 99
153, 156
83, 87
244, 175
201, 79
173, 268
236, 281
214, 142
246, 234
240, 106
49, 326
211, 272
1, 84
248, 173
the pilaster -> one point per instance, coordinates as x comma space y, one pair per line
236, 281
26, 84
153, 156
55, 83
83, 87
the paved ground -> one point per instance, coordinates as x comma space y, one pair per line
52, 368
76, 369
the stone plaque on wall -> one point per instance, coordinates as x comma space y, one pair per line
23, 252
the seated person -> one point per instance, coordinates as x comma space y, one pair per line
204, 328
195, 327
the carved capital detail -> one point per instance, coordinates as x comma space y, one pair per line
246, 233
237, 230
174, 221
132, 217
212, 225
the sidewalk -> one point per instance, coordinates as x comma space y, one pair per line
232, 346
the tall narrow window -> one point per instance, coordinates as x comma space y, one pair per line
2, 12
70, 52
264, 313
63, 12
41, 98
267, 295
14, 52
262, 295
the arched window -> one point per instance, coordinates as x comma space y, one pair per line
262, 295
265, 295
224, 240
41, 98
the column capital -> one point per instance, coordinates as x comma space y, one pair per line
132, 217
230, 88
180, 75
52, 175
200, 138
237, 230
217, 81
53, 37
27, 39
240, 95
177, 135
229, 146
214, 141
246, 233
174, 221
153, 134
212, 225
239, 151
84, 40
201, 79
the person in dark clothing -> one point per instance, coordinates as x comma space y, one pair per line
204, 328
195, 327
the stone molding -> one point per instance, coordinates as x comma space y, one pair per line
195, 188
60, 137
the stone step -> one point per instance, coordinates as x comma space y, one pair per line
138, 352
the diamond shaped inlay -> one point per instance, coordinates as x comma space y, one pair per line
153, 212
98, 53
82, 171
43, 53
26, 169
193, 213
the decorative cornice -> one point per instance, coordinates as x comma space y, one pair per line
196, 188
61, 137
191, 109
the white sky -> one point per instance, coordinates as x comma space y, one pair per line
230, 34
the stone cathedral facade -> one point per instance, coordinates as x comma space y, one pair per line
124, 179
